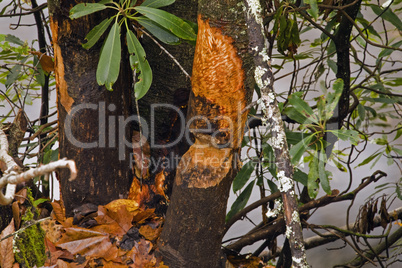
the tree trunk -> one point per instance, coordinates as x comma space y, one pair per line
164, 107
221, 88
93, 122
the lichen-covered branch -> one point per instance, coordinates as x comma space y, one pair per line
14, 175
272, 119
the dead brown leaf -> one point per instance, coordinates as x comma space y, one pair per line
116, 222
46, 61
53, 231
6, 247
58, 211
141, 216
89, 243
150, 233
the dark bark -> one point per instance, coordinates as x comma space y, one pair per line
341, 40
170, 86
221, 86
104, 171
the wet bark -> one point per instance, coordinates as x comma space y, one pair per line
221, 89
92, 126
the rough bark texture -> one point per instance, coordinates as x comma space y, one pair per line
221, 89
273, 120
170, 86
104, 169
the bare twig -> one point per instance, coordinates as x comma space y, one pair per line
14, 175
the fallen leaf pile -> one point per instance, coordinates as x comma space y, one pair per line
120, 234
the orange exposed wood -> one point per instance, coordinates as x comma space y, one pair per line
219, 78
63, 95
218, 98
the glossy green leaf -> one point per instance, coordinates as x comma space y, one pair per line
347, 134
174, 24
243, 176
109, 60
157, 3
322, 173
388, 15
94, 35
241, 201
84, 9
158, 31
297, 151
312, 185
139, 62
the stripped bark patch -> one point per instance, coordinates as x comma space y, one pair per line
215, 109
64, 98
218, 83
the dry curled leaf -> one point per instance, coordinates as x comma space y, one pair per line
6, 247
46, 61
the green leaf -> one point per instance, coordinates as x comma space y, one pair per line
322, 173
94, 35
169, 21
39, 74
84, 9
347, 134
398, 192
312, 185
241, 201
243, 176
269, 159
361, 111
301, 177
158, 31
398, 132
13, 39
138, 60
388, 15
39, 201
387, 51
157, 3
313, 11
297, 151
109, 60
302, 107
333, 98
368, 159
13, 75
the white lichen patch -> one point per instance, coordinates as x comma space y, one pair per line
285, 183
258, 73
289, 232
264, 54
254, 9
277, 210
295, 216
